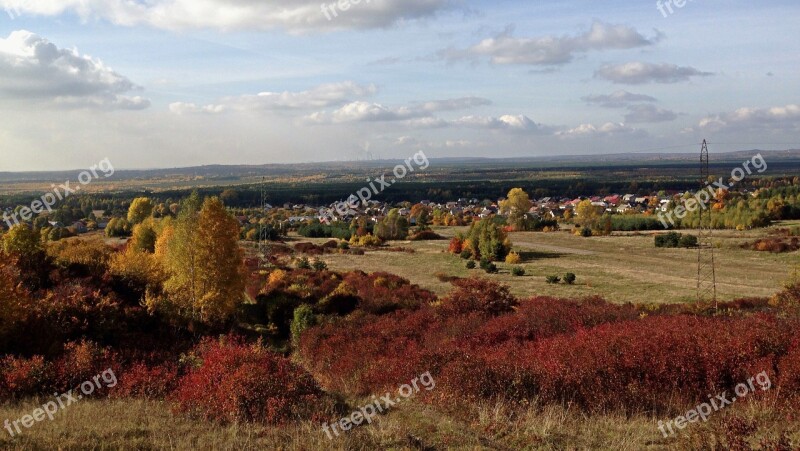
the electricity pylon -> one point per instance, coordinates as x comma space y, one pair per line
706, 270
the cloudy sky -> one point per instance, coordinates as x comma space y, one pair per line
165, 83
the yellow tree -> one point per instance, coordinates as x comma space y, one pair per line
144, 237
141, 208
516, 206
587, 213
22, 241
206, 274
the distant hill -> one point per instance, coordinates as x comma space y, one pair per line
238, 172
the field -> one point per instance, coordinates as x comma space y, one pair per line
106, 425
619, 268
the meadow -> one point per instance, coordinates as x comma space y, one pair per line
624, 267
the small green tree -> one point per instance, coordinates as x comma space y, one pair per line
488, 240
304, 318
392, 227
303, 263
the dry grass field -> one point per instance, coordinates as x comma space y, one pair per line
144, 425
625, 267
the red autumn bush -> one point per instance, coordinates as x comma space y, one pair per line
234, 382
147, 381
309, 248
480, 295
80, 362
592, 354
789, 369
381, 292
543, 317
21, 377
456, 245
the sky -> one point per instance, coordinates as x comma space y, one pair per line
175, 83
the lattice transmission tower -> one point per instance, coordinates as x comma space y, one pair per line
706, 269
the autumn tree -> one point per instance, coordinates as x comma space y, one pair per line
393, 227
118, 227
516, 206
141, 208
24, 246
587, 213
144, 237
206, 275
22, 241
13, 298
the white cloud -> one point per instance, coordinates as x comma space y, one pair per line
35, 70
780, 118
636, 73
552, 50
297, 16
417, 115
607, 129
617, 99
507, 122
323, 96
369, 112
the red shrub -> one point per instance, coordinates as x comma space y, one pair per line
590, 353
237, 382
480, 295
80, 362
456, 245
148, 382
309, 248
20, 377
789, 369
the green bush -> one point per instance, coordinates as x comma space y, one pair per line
688, 241
491, 268
466, 254
675, 239
303, 319
303, 263
586, 232
553, 279
485, 262
569, 278
489, 240
320, 265
518, 271
471, 264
